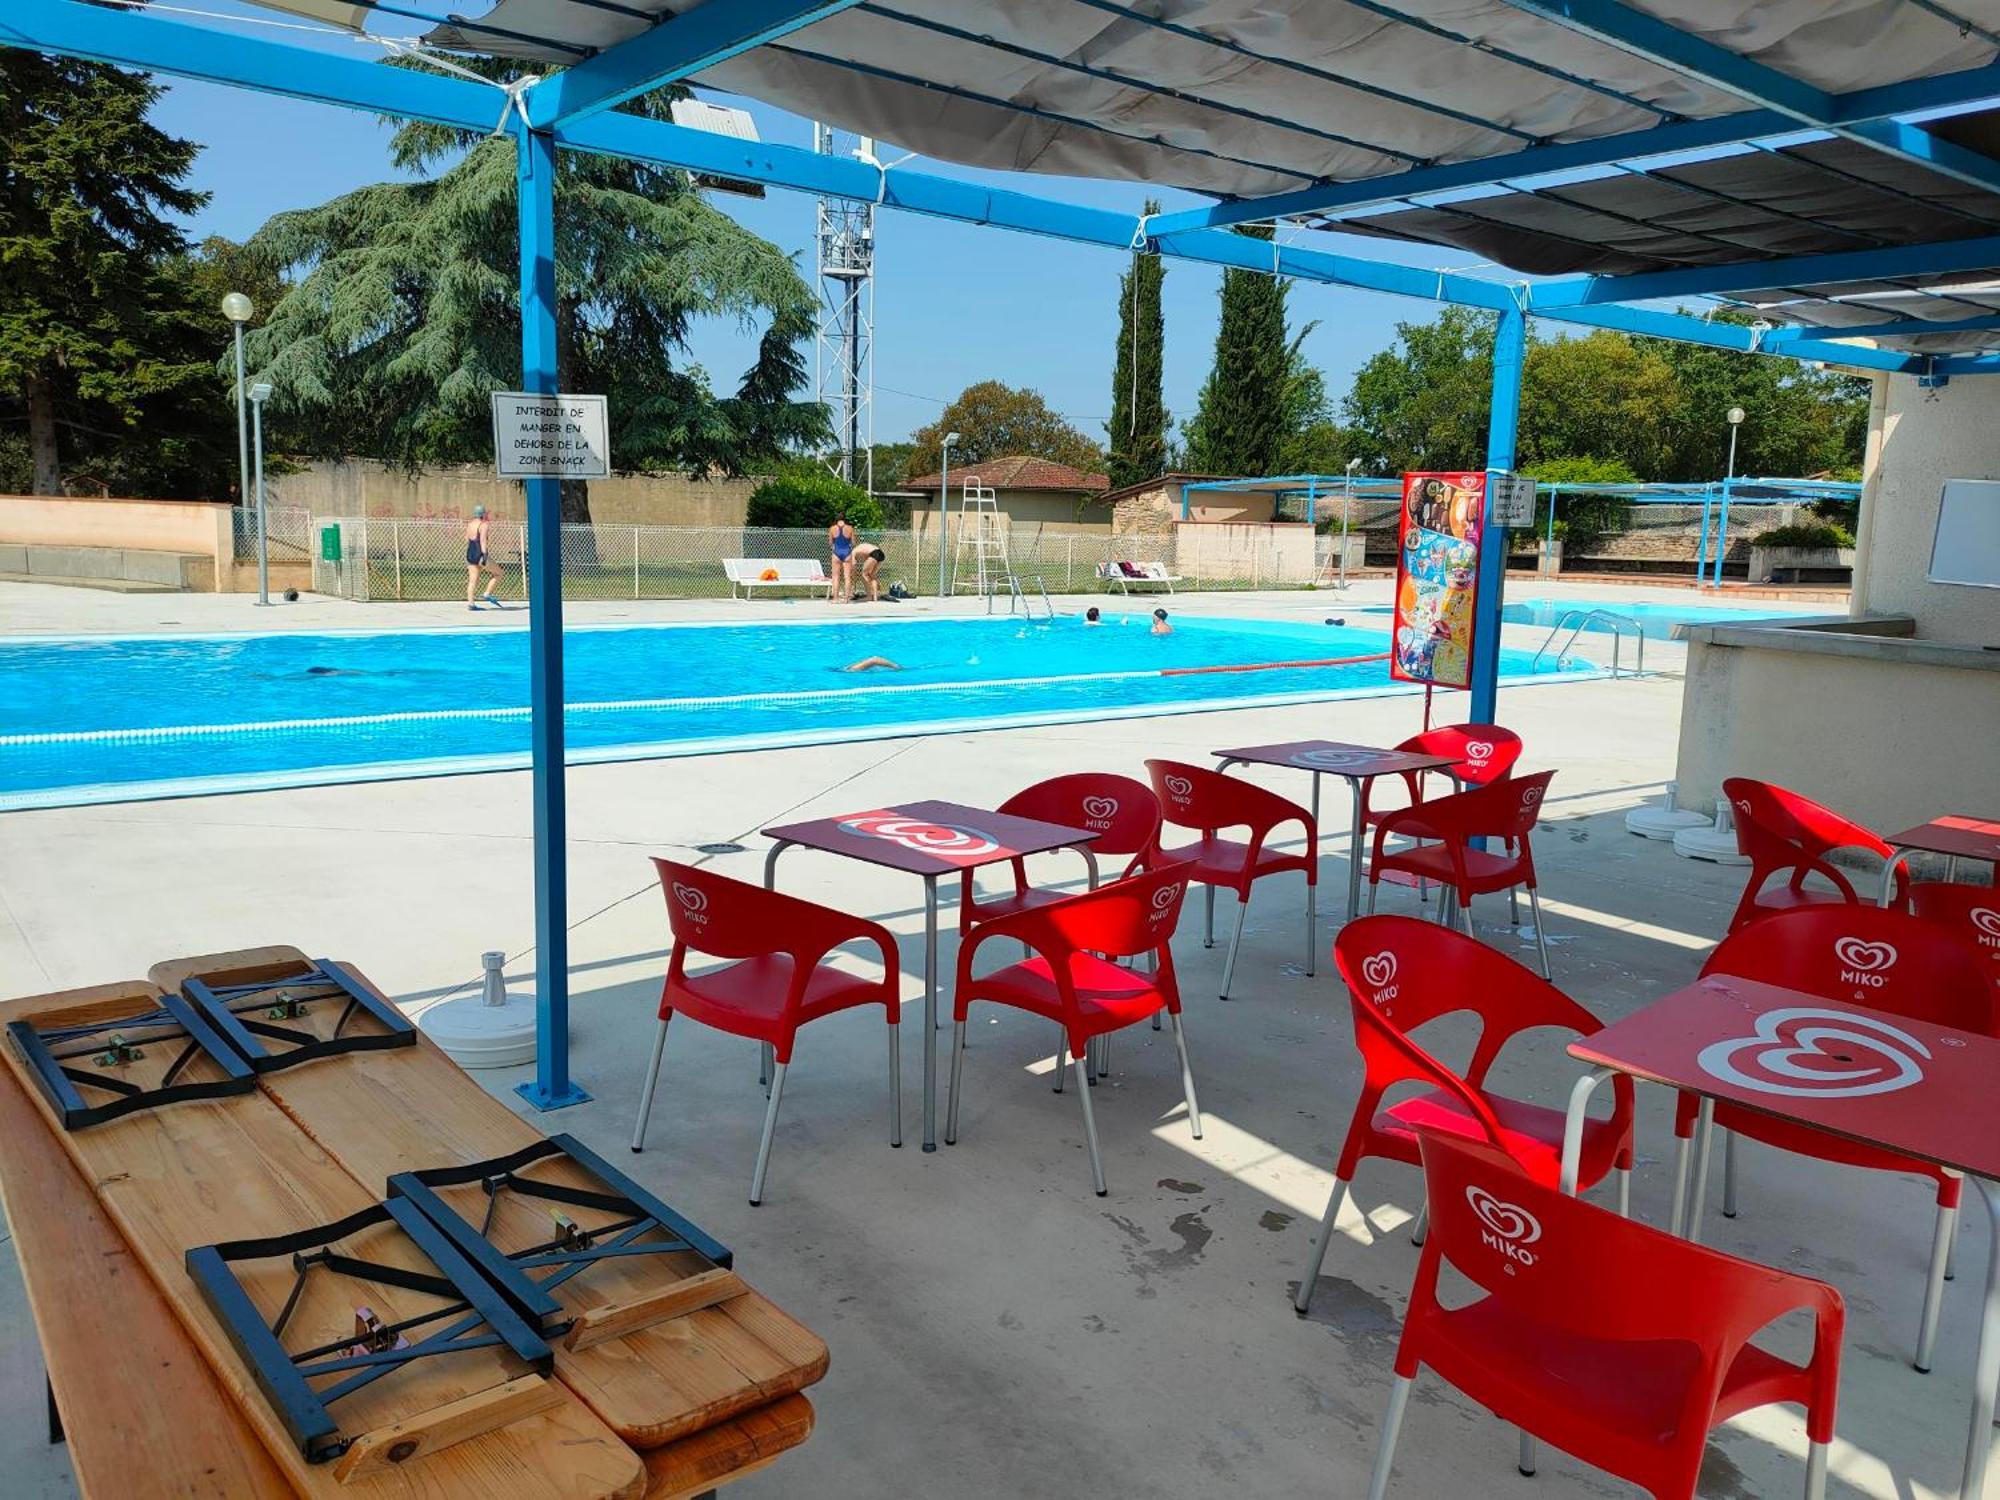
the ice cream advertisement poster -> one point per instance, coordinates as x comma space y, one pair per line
1437, 572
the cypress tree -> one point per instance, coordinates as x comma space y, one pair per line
1139, 418
1239, 423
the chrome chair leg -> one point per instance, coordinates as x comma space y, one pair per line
1392, 1427
1208, 916
1541, 937
1816, 1471
1302, 1298
652, 1078
1089, 1125
896, 1084
1420, 1228
957, 1082
1528, 1456
1677, 1216
1728, 1174
1624, 1192
1187, 1079
1941, 1238
1104, 1055
1312, 927
770, 1130
1062, 1043
1235, 943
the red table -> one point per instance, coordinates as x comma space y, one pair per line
1956, 837
1885, 1080
1357, 764
928, 839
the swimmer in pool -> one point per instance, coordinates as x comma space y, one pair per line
871, 557
872, 664
479, 558
840, 537
1160, 625
1091, 616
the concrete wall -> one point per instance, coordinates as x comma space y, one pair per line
1892, 732
192, 527
1055, 512
362, 487
1271, 552
1917, 440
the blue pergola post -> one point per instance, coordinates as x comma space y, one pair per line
535, 174
1510, 348
1722, 529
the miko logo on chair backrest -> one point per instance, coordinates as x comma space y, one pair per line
1505, 1227
1378, 971
1178, 787
693, 902
1099, 812
1864, 964
1987, 921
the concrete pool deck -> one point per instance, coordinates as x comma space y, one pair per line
996, 1330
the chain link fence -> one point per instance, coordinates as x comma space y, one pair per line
375, 558
287, 533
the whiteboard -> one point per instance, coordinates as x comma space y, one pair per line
1967, 547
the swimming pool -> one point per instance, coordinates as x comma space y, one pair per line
96, 719
1655, 621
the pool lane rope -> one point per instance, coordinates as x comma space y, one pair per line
630, 705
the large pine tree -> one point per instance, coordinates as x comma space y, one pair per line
1139, 417
1240, 422
95, 328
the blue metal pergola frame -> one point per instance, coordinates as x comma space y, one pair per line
576, 110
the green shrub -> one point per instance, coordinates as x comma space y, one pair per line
1805, 534
806, 497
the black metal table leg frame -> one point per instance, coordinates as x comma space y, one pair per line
571, 1252
230, 1008
175, 1020
282, 1375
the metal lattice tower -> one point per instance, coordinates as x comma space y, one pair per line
844, 353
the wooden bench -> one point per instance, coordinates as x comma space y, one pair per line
748, 574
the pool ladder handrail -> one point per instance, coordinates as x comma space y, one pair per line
1018, 600
1582, 617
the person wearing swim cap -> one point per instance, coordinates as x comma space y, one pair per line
479, 559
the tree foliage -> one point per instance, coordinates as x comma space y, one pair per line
994, 420
405, 317
808, 495
108, 333
1239, 420
1656, 406
1139, 417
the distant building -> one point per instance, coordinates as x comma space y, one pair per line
1032, 493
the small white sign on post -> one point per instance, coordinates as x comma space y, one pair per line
550, 437
1511, 499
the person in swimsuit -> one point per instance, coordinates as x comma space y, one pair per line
479, 559
872, 664
871, 557
841, 536
1160, 625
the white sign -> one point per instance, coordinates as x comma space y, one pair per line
1511, 499
539, 437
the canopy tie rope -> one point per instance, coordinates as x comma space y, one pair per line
1140, 238
882, 170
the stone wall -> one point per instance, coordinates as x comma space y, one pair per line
363, 487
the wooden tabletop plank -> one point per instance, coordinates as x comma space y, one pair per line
201, 1171
410, 1108
144, 1418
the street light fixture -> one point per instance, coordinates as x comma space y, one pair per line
239, 309
1736, 415
259, 394
944, 510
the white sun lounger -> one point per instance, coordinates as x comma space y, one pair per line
747, 573
1150, 575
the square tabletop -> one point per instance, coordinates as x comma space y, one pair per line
931, 838
1353, 761
1923, 1090
1963, 837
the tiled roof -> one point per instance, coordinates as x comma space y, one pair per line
1018, 473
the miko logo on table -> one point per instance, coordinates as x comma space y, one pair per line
1804, 1052
1864, 964
946, 840
1505, 1227
1099, 811
1327, 759
1379, 971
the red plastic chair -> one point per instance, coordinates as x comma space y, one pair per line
1124, 814
1481, 754
1506, 809
1973, 912
1782, 833
1886, 960
1608, 1339
779, 982
1209, 802
1402, 974
1072, 979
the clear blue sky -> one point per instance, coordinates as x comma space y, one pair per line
954, 303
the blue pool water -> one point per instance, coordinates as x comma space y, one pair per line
1656, 621
112, 719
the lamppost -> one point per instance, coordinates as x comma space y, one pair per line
259, 394
944, 510
239, 309
1736, 415
1346, 514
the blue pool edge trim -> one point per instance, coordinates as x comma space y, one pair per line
101, 794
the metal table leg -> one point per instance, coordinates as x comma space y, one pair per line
930, 1011
1986, 1365
1354, 842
